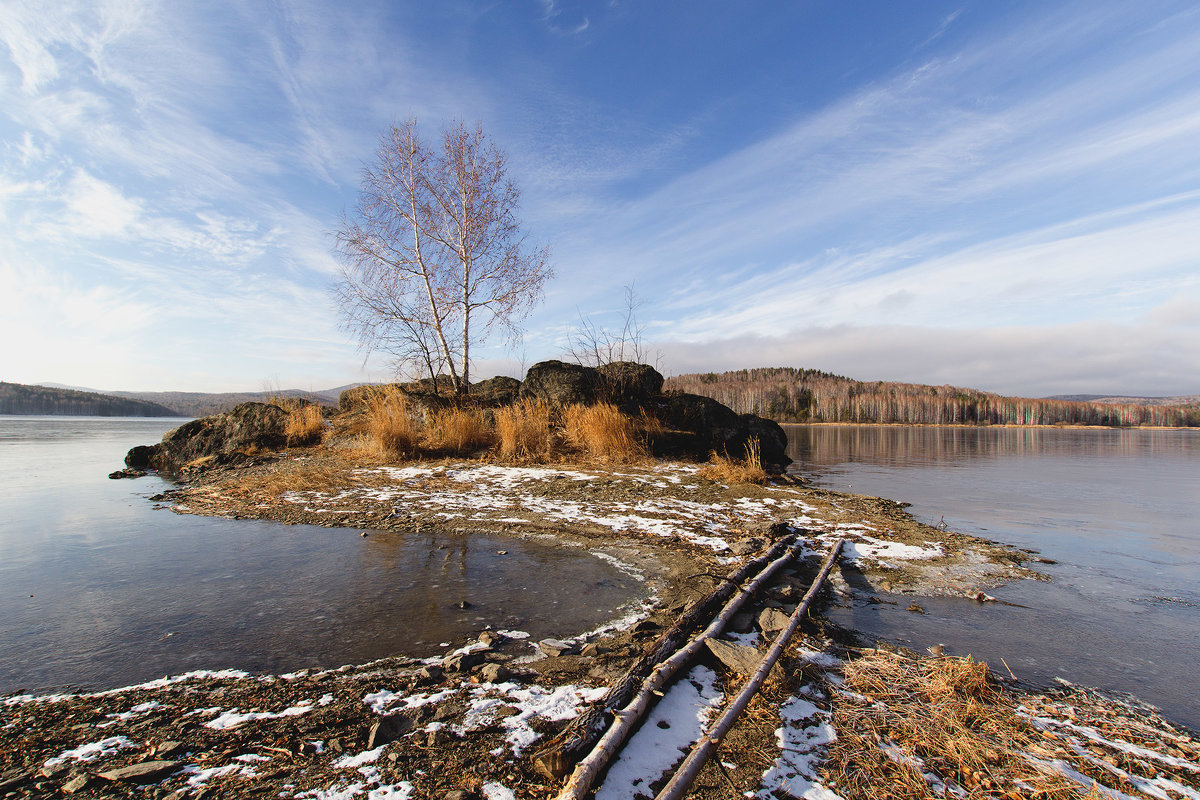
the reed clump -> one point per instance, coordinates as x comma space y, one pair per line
748, 469
929, 728
305, 425
603, 432
458, 431
523, 430
389, 426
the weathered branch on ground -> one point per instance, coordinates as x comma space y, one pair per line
628, 717
685, 776
561, 754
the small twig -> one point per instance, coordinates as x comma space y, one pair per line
725, 773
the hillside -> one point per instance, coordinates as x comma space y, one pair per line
785, 394
18, 398
1182, 400
202, 404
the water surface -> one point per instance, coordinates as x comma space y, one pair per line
1119, 510
100, 589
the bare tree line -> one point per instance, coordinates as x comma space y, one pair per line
786, 394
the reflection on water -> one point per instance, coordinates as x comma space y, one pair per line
98, 589
832, 445
1117, 509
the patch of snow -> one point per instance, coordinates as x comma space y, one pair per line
750, 639
199, 777
90, 751
383, 700
869, 549
251, 757
805, 730
232, 719
533, 701
620, 565
356, 761
667, 733
514, 634
497, 791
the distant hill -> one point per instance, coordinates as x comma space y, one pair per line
18, 398
786, 394
201, 404
1182, 400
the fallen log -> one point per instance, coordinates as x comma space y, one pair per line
627, 718
561, 754
685, 776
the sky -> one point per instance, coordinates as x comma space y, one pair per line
1004, 196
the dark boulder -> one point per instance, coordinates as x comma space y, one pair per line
139, 456
222, 438
500, 390
560, 383
628, 384
700, 426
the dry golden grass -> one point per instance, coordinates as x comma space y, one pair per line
305, 425
603, 432
307, 478
457, 431
523, 430
747, 469
389, 427
931, 723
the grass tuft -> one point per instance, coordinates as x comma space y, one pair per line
390, 428
748, 469
944, 717
305, 425
603, 432
523, 430
458, 431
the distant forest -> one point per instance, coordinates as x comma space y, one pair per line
785, 394
18, 398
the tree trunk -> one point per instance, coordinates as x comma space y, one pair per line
628, 717
560, 755
685, 776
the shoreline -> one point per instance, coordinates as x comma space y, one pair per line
681, 527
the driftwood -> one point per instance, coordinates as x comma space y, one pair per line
628, 717
685, 776
560, 755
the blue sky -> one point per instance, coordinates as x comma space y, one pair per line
997, 195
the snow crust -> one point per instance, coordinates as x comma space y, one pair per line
668, 732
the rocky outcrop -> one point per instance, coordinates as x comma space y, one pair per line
693, 426
221, 439
628, 384
498, 391
699, 425
560, 383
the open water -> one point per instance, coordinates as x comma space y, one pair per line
1118, 510
98, 588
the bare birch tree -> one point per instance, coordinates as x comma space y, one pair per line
433, 258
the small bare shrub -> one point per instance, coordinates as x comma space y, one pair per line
458, 431
388, 423
305, 425
731, 470
524, 430
603, 432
